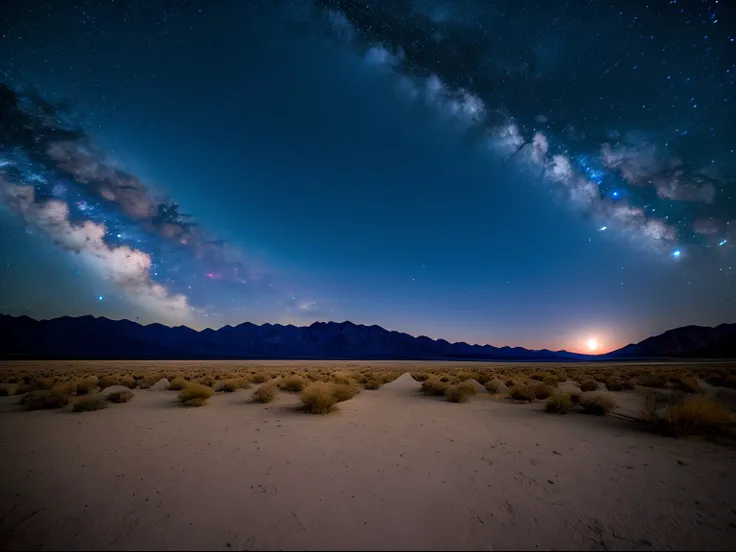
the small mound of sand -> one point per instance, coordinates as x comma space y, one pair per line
478, 387
161, 385
404, 381
107, 391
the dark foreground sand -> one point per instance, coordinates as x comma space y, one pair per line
390, 470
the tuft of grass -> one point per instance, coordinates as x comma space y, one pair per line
177, 384
434, 387
373, 383
120, 397
467, 387
599, 404
195, 394
319, 398
45, 399
108, 381
522, 393
687, 415
559, 402
495, 385
345, 391
293, 382
541, 390
688, 384
265, 393
90, 402
589, 385
458, 394
87, 385
234, 384
129, 382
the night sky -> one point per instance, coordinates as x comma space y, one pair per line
533, 174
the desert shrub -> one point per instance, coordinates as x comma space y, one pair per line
551, 380
420, 376
258, 377
45, 399
613, 384
495, 385
434, 387
89, 403
265, 393
444, 378
373, 383
234, 384
538, 376
688, 384
457, 394
657, 380
293, 383
467, 386
129, 382
108, 381
177, 384
195, 394
695, 414
729, 381
541, 390
684, 415
597, 403
318, 398
87, 385
120, 396
522, 393
345, 391
5, 390
559, 402
589, 385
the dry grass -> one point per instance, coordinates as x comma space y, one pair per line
45, 399
522, 393
541, 390
495, 385
459, 393
87, 385
295, 383
589, 385
235, 384
177, 384
120, 397
597, 403
682, 415
265, 393
195, 394
434, 387
90, 402
319, 398
559, 403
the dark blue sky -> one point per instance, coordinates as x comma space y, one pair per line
348, 184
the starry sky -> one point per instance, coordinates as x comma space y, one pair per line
512, 172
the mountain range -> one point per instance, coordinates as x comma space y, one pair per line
89, 337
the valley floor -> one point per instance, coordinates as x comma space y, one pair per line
389, 470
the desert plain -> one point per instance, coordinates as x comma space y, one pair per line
304, 455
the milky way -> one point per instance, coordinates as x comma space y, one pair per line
624, 107
54, 176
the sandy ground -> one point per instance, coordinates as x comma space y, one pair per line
389, 470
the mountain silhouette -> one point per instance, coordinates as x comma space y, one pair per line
685, 342
89, 337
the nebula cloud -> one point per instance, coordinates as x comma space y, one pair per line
467, 61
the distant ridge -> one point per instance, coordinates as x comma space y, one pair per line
89, 337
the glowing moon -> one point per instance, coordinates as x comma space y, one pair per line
592, 344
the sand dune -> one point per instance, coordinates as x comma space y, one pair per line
389, 470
